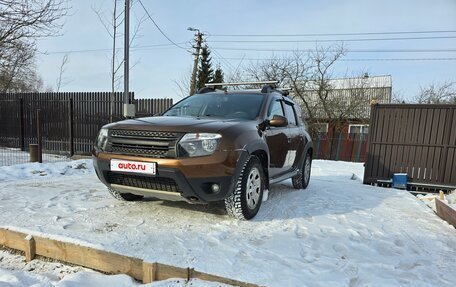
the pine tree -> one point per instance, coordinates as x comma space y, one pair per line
205, 72
218, 76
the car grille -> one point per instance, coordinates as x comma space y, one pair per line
140, 181
144, 143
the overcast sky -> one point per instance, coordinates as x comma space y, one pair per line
87, 43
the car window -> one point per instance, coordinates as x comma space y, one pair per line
231, 106
290, 114
275, 109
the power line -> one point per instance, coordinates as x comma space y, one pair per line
334, 34
159, 29
156, 46
400, 59
362, 59
220, 57
334, 40
348, 51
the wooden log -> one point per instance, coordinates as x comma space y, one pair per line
30, 248
445, 211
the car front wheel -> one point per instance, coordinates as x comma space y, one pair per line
245, 200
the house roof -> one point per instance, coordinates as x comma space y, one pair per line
359, 82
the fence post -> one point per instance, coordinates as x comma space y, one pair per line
360, 145
39, 135
338, 145
70, 126
318, 147
22, 123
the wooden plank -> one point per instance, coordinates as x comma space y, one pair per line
149, 272
104, 261
30, 248
214, 278
85, 256
164, 271
12, 239
445, 211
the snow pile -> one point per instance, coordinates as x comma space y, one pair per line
37, 170
13, 278
451, 198
338, 232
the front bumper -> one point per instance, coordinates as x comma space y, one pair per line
188, 179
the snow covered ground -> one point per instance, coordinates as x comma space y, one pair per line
338, 232
13, 156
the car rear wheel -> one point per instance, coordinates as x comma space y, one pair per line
245, 201
301, 180
124, 196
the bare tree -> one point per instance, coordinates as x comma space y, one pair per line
309, 76
112, 22
60, 80
18, 72
441, 93
183, 83
21, 24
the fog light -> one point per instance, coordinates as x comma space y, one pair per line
215, 188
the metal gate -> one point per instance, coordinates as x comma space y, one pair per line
419, 140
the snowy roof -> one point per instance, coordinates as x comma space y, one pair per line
360, 82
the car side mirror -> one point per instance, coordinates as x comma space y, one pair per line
278, 121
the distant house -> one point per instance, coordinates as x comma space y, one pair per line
344, 102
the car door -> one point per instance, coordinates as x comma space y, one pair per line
277, 139
294, 135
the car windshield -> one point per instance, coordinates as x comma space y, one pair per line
226, 106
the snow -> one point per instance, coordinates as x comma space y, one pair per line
13, 156
338, 232
13, 278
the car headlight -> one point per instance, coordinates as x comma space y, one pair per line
102, 138
198, 144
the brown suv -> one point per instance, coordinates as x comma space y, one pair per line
212, 146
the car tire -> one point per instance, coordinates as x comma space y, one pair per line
301, 180
245, 200
124, 196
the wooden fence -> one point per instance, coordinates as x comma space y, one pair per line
70, 121
419, 140
340, 146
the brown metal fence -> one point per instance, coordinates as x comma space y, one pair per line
419, 140
70, 121
340, 146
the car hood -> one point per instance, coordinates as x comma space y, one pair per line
179, 124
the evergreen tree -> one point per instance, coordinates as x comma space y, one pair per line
218, 77
205, 72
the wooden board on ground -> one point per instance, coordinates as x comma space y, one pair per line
445, 211
101, 260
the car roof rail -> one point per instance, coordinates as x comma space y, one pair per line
267, 89
270, 83
204, 90
285, 91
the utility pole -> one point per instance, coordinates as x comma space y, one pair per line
199, 42
128, 109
